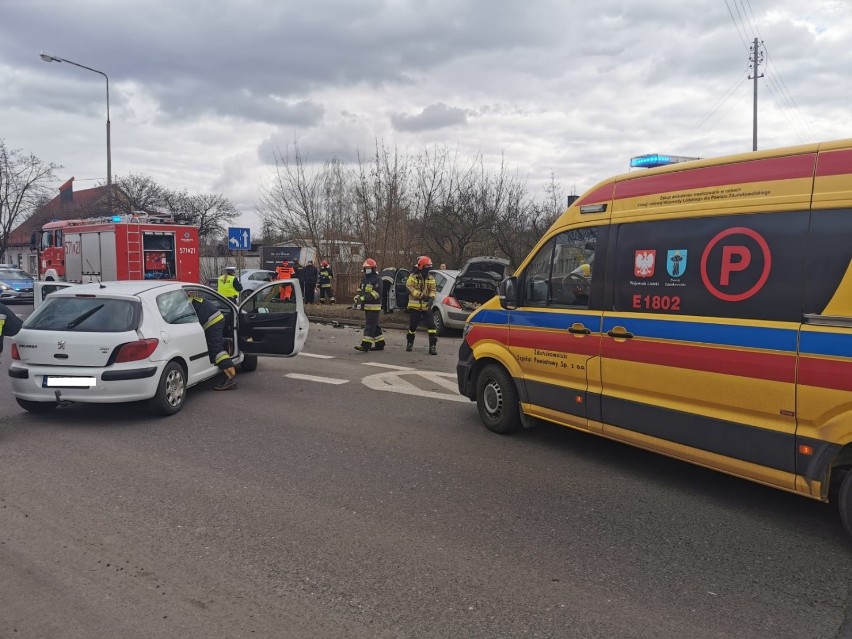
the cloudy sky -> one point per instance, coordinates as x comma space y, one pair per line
201, 92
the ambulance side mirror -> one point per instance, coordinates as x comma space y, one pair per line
507, 293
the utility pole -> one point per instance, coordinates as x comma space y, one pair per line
755, 59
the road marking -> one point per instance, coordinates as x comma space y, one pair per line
393, 382
316, 378
396, 368
317, 356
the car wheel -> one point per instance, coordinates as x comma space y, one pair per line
171, 391
36, 407
497, 400
844, 503
440, 327
249, 364
245, 293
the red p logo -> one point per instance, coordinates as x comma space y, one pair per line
731, 265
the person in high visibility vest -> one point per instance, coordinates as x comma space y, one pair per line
10, 324
422, 288
213, 323
228, 284
369, 298
285, 272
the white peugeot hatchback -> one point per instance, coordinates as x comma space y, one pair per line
112, 342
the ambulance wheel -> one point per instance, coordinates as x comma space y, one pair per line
35, 407
844, 503
249, 364
497, 400
171, 391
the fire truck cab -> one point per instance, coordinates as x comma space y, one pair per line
121, 247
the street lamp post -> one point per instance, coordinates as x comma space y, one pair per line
52, 58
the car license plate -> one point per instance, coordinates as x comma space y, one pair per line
53, 381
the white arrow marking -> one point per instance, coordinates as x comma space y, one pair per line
245, 239
315, 378
392, 382
235, 241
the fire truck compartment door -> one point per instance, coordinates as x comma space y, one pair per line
272, 320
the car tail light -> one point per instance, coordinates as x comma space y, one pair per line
134, 351
15, 354
449, 300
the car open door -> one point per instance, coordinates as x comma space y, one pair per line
43, 289
272, 320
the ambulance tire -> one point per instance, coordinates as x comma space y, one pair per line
497, 400
844, 503
36, 407
249, 364
171, 391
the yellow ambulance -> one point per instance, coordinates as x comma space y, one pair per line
701, 310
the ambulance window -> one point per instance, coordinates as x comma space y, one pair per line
561, 273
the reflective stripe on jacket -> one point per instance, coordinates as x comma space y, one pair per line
418, 288
325, 276
371, 290
208, 313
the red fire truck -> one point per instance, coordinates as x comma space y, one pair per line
122, 247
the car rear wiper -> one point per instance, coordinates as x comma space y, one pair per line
82, 318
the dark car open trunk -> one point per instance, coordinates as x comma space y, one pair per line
478, 280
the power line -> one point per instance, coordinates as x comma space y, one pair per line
737, 25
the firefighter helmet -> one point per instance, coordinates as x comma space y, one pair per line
324, 263
424, 262
369, 263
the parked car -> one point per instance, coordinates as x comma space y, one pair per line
16, 285
127, 341
254, 278
443, 302
472, 286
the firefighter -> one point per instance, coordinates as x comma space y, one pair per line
213, 323
285, 272
325, 278
421, 287
10, 324
369, 298
228, 284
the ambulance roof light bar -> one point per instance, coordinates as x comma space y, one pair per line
657, 159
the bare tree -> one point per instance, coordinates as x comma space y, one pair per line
209, 212
24, 182
292, 205
140, 193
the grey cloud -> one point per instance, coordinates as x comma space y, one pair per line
434, 116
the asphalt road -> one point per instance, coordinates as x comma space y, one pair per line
330, 497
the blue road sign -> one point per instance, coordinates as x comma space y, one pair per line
239, 239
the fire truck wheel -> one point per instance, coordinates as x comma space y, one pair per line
249, 364
171, 391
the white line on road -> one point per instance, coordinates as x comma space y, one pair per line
396, 368
303, 353
393, 382
316, 378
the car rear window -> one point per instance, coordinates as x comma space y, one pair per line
85, 314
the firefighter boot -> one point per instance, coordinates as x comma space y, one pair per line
364, 347
433, 342
230, 381
410, 343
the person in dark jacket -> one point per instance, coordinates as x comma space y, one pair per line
311, 277
369, 298
325, 277
10, 324
213, 323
